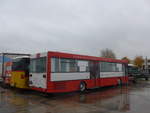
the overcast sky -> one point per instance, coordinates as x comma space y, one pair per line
76, 26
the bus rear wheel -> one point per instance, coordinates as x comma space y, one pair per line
82, 87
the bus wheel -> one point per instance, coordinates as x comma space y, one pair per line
82, 86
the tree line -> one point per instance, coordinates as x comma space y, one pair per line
137, 61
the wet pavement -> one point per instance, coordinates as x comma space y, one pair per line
126, 99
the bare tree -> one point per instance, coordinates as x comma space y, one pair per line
108, 53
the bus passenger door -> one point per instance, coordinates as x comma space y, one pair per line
95, 73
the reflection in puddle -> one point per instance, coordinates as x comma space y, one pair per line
99, 100
116, 99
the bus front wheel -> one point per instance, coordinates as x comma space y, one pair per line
82, 86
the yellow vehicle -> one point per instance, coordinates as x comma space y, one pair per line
20, 72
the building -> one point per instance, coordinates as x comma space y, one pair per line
146, 65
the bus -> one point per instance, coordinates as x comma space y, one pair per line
57, 72
136, 73
133, 70
20, 72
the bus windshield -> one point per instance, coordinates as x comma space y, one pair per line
38, 65
21, 64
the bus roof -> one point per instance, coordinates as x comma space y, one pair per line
84, 57
77, 56
21, 57
132, 65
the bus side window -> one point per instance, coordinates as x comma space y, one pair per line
83, 66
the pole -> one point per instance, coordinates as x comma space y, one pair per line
3, 58
146, 65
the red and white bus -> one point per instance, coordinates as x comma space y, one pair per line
54, 72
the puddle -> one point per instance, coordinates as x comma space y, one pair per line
132, 99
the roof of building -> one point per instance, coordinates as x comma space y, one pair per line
6, 59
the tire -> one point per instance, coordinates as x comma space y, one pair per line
82, 87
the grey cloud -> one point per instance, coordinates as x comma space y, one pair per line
77, 26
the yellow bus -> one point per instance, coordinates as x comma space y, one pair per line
20, 72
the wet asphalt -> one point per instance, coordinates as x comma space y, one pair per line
134, 98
